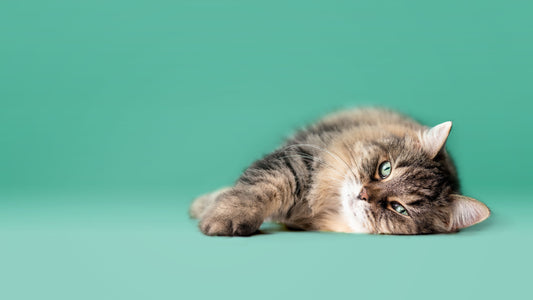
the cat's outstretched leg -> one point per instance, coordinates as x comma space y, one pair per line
271, 186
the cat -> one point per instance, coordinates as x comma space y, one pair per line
367, 170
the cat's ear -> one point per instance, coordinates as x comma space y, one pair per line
466, 212
433, 139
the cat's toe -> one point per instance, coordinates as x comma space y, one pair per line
217, 227
245, 229
227, 226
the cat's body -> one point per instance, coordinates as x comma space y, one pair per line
361, 171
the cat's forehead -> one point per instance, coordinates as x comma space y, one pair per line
401, 152
394, 145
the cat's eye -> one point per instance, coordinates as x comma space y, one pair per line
399, 208
384, 169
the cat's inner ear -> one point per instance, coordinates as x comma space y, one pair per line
434, 139
466, 212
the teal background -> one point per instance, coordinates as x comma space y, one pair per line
114, 115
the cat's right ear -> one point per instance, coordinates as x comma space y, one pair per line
434, 139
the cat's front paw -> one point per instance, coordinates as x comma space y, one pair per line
235, 222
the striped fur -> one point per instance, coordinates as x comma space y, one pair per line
326, 178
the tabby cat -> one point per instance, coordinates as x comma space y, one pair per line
362, 171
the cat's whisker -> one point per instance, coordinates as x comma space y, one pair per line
335, 156
353, 159
342, 173
342, 177
319, 160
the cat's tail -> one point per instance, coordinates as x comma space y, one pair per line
200, 205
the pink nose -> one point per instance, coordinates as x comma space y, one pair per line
363, 195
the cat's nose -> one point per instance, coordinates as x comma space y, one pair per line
363, 195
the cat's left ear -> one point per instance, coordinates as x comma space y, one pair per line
434, 139
466, 212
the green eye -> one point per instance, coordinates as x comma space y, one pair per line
399, 208
384, 169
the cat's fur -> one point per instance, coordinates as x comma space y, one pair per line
326, 178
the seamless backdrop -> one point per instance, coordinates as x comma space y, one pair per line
114, 115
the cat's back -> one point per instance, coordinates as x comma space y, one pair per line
347, 120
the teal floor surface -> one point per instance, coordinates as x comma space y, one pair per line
144, 246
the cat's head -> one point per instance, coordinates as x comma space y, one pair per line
405, 184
